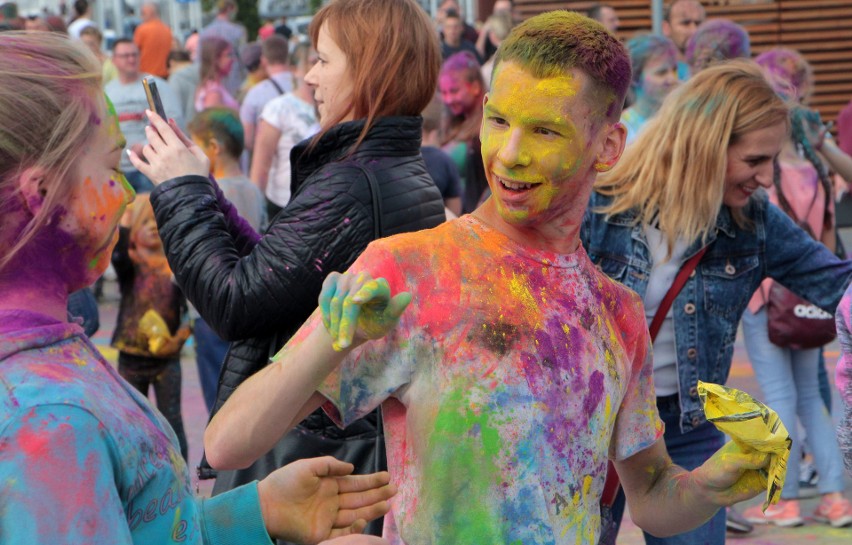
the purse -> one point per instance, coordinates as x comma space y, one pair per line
793, 322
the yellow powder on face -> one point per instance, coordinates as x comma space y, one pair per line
530, 135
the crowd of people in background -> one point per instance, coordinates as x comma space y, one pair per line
283, 153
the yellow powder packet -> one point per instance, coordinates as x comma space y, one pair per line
155, 329
752, 426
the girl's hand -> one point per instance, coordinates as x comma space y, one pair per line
169, 152
318, 498
356, 308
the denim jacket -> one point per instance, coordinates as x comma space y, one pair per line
708, 309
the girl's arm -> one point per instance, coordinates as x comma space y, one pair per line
352, 310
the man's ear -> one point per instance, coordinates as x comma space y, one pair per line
214, 147
32, 185
614, 137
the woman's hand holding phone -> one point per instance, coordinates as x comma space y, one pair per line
169, 152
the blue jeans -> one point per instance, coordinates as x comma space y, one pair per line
824, 387
688, 450
210, 351
790, 384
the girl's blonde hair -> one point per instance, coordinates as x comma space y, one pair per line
50, 105
674, 173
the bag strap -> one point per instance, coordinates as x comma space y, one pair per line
275, 84
612, 483
376, 197
679, 281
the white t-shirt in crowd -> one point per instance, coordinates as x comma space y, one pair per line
297, 120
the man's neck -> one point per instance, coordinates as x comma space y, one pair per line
40, 293
128, 79
559, 238
275, 69
226, 168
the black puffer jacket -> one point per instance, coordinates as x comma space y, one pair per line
257, 291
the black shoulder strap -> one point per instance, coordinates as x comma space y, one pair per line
275, 84
376, 197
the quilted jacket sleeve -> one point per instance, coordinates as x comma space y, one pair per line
245, 289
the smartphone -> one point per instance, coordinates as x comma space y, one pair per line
154, 102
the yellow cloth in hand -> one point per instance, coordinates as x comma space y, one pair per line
751, 425
155, 329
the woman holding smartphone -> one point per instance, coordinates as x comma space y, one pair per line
361, 177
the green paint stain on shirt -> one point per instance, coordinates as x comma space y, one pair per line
462, 463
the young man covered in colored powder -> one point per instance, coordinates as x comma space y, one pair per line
521, 369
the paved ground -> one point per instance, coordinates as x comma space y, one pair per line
195, 418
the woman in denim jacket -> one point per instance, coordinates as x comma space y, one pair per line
691, 180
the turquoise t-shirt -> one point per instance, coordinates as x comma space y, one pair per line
85, 459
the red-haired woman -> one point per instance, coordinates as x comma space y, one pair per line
360, 178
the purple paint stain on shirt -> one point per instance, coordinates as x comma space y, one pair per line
594, 392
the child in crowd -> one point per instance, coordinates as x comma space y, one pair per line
219, 133
147, 355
